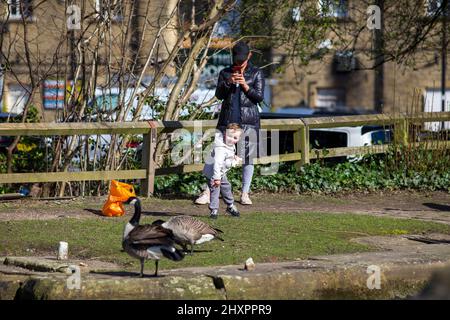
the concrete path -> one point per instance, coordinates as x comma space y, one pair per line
399, 270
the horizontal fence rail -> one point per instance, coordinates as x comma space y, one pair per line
150, 130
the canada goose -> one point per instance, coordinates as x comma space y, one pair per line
189, 230
148, 241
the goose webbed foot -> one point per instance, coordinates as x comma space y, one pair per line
156, 268
141, 274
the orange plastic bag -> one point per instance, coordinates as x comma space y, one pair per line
113, 207
119, 192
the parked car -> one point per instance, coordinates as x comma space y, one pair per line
27, 143
328, 138
349, 137
5, 141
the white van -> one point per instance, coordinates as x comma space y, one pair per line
341, 137
349, 136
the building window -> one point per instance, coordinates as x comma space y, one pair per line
18, 8
330, 98
433, 103
296, 14
344, 61
107, 8
432, 7
16, 98
326, 8
333, 8
229, 25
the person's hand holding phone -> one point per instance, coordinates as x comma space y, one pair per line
235, 75
240, 80
237, 78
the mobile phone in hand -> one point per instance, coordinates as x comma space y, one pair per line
236, 69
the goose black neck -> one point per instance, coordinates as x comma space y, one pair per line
137, 213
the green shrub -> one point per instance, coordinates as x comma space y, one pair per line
30, 154
373, 172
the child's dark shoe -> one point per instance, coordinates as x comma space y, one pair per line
232, 210
213, 214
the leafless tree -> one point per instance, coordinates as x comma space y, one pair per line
118, 44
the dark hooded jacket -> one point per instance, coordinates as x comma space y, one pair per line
247, 101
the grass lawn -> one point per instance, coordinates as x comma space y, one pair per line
266, 237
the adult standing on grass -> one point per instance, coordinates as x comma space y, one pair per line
241, 88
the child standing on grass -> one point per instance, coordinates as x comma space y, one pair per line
221, 159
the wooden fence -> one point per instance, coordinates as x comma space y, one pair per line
150, 130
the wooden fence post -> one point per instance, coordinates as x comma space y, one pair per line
301, 144
401, 129
148, 161
304, 144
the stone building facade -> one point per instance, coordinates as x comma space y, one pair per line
40, 44
337, 81
343, 83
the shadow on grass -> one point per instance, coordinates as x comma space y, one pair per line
176, 197
437, 206
196, 251
127, 274
428, 240
405, 210
169, 214
148, 213
96, 212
